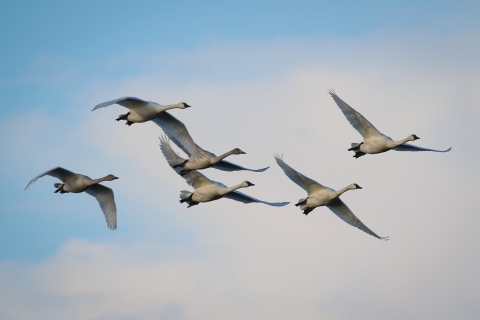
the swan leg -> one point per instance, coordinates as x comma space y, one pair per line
302, 202
358, 154
129, 123
184, 172
191, 204
307, 211
181, 164
122, 117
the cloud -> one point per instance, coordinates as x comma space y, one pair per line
240, 261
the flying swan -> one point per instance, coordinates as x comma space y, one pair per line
319, 195
207, 190
374, 140
76, 183
140, 110
198, 157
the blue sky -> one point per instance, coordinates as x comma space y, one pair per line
256, 74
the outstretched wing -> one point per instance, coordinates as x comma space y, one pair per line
127, 102
302, 181
410, 147
344, 213
362, 125
242, 197
106, 201
58, 172
193, 178
172, 158
178, 133
228, 166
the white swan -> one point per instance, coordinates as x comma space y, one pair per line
319, 195
207, 190
75, 183
140, 110
198, 157
374, 140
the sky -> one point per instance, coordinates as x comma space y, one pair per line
256, 74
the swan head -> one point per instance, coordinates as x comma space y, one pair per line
110, 177
414, 137
184, 105
238, 151
247, 184
357, 186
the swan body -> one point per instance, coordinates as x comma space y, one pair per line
198, 157
319, 195
140, 110
76, 183
374, 141
207, 190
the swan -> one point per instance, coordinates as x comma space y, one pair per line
76, 183
207, 190
319, 195
198, 157
140, 110
374, 140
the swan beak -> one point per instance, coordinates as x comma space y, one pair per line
415, 137
357, 186
115, 178
250, 184
187, 105
241, 152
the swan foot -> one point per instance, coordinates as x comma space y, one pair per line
184, 172
191, 204
358, 154
301, 202
189, 198
307, 211
129, 123
181, 164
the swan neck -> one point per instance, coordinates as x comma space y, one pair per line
223, 156
230, 189
168, 107
400, 142
96, 181
342, 191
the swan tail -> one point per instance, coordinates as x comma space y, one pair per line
185, 196
57, 185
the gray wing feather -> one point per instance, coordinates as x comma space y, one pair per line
127, 102
242, 197
302, 181
228, 166
344, 213
58, 172
106, 201
178, 133
362, 125
410, 147
193, 178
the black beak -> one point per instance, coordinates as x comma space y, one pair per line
241, 152
415, 137
357, 186
115, 178
250, 184
187, 105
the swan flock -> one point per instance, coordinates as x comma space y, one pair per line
197, 158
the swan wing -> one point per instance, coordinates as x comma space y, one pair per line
172, 158
127, 102
58, 172
411, 147
196, 179
228, 166
344, 213
106, 201
242, 197
302, 181
178, 133
362, 125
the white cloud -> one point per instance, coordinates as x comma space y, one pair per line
257, 262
